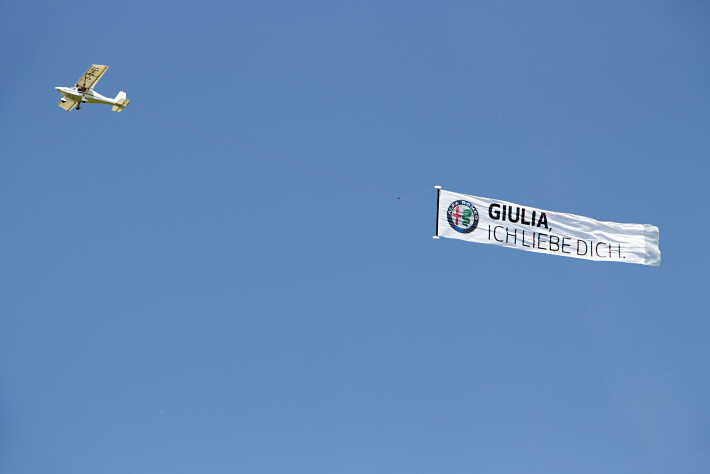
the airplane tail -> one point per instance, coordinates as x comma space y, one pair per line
120, 102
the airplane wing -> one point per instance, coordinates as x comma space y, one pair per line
68, 105
91, 77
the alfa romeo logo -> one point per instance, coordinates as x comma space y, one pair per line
463, 216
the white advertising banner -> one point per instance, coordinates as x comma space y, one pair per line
490, 221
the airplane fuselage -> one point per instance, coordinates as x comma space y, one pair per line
90, 96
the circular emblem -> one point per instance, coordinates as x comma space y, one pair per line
463, 216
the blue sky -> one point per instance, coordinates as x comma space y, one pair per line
173, 303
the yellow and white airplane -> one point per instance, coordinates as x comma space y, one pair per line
83, 92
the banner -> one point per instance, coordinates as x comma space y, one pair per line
502, 223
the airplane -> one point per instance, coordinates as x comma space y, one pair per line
83, 92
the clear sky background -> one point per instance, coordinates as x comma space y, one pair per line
170, 303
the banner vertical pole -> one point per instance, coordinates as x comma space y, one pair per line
438, 196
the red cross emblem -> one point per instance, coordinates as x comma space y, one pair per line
456, 215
